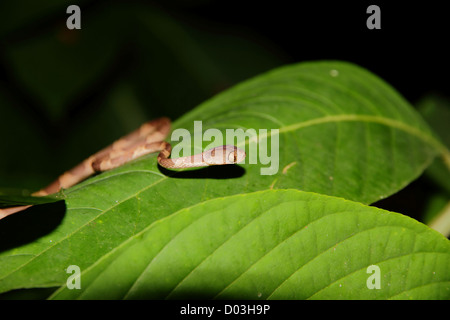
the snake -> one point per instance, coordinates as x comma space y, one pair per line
148, 138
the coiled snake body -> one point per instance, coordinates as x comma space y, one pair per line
147, 139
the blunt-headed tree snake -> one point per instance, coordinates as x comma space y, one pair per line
148, 138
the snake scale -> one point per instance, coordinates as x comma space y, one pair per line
148, 138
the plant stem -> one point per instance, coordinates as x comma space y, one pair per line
442, 221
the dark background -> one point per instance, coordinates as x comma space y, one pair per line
410, 51
66, 93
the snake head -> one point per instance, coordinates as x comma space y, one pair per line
224, 155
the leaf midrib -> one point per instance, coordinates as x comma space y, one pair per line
424, 136
367, 118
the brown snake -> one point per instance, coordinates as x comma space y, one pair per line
147, 139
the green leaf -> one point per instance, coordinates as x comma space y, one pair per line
436, 111
283, 244
342, 132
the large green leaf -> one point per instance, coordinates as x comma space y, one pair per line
276, 244
342, 132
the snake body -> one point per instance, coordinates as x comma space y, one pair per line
148, 138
